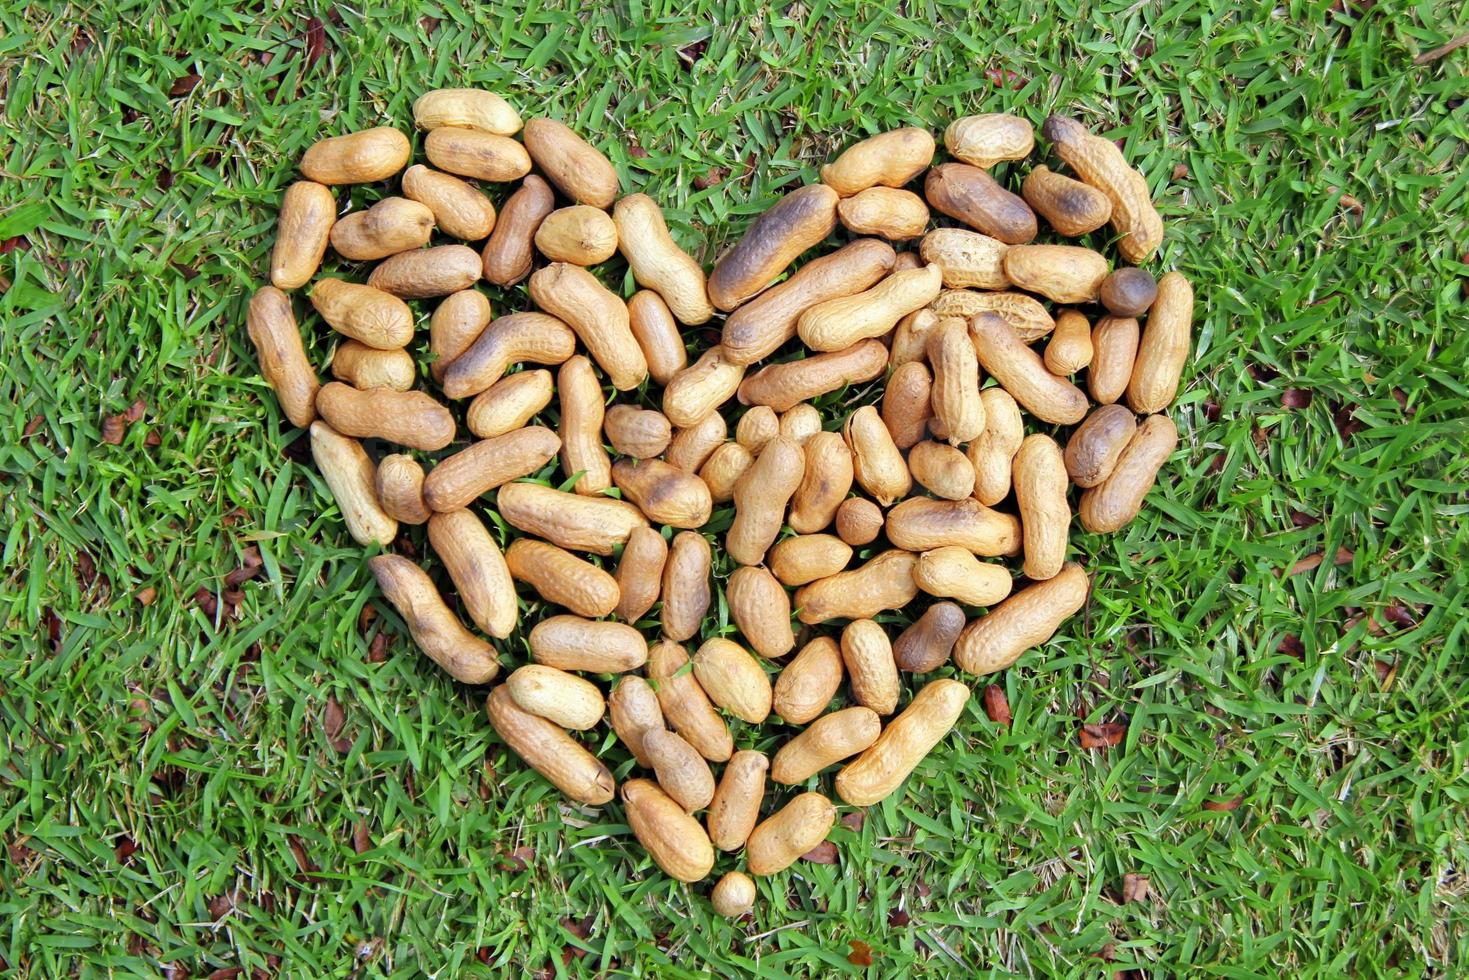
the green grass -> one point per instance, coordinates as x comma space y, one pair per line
170, 794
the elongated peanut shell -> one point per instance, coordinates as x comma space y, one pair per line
839, 323
698, 391
1114, 357
469, 107
736, 806
1040, 495
427, 272
877, 465
356, 158
993, 450
790, 832
350, 476
686, 591
907, 403
560, 698
435, 629
308, 211
519, 337
283, 362
477, 568
1063, 273
682, 772
825, 480
367, 367
803, 558
392, 225
886, 212
664, 493
594, 646
1069, 206
1028, 618
885, 582
1100, 163
456, 324
508, 253
561, 577
796, 222
489, 463
827, 741
966, 258
926, 644
597, 315
871, 670
633, 710
986, 139
907, 739
509, 403
1112, 504
657, 333
1021, 372
1163, 350
475, 153
954, 573
760, 500
376, 318
972, 196
890, 159
921, 524
460, 210
685, 705
691, 446
408, 418
640, 573
784, 386
578, 169
400, 489
761, 609
577, 523
549, 750
675, 840
808, 683
656, 260
582, 415
733, 679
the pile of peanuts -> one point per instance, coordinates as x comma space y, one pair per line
811, 494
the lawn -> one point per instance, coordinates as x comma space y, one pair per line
216, 762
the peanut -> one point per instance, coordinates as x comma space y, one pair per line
518, 338
858, 521
907, 402
1114, 355
272, 326
376, 318
757, 427
1100, 163
697, 391
926, 645
640, 573
509, 403
1063, 273
427, 272
580, 234
992, 451
308, 211
760, 499
966, 258
598, 317
477, 569
656, 332
657, 262
759, 606
1022, 373
800, 422
890, 159
952, 572
1070, 346
783, 386
637, 432
459, 480
1113, 503
941, 469
1096, 444
1129, 292
582, 415
684, 703
1028, 618
508, 255
367, 367
1045, 516
686, 592
875, 774
1026, 316
577, 523
458, 207
829, 739
807, 684
663, 492
435, 629
884, 582
987, 139
801, 219
733, 895
633, 710
1163, 349
594, 646
578, 169
955, 395
1071, 207
722, 472
399, 485
691, 446
972, 196
475, 153
456, 324
839, 323
408, 418
733, 679
356, 158
804, 558
560, 577
549, 750
886, 212
469, 107
825, 480
922, 524
877, 465
681, 771
392, 225
736, 806
671, 837
790, 832
561, 698
350, 476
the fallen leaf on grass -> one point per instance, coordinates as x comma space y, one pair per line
361, 839
711, 179
823, 853
183, 85
377, 651
1102, 736
853, 821
861, 954
898, 918
147, 595
124, 850
1220, 806
1386, 674
1291, 645
1343, 557
519, 859
997, 706
315, 40
1295, 398
1135, 888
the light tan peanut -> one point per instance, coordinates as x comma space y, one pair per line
808, 683
685, 705
877, 465
591, 645
733, 679
549, 750
637, 432
459, 209
691, 446
367, 367
656, 332
686, 590
675, 840
858, 521
1063, 273
350, 476
955, 395
801, 219
759, 606
875, 774
376, 318
392, 225
1026, 316
408, 418
1070, 347
657, 262
783, 386
781, 838
508, 254
908, 260
399, 485
972, 196
885, 582
560, 577
509, 403
435, 629
475, 153
1021, 372
941, 469
663, 492
989, 138
456, 324
910, 338
597, 315
922, 524
697, 391
1113, 503
1114, 355
577, 523
561, 698
1100, 163
890, 159
1163, 349
952, 572
800, 422
1029, 618
966, 258
1071, 207
926, 645
886, 212
757, 427
1040, 496
758, 327
477, 569
825, 480
580, 234
681, 771
427, 272
804, 558
737, 799
457, 481
993, 450
1097, 444
839, 323
633, 710
906, 405
733, 895
576, 167
515, 339
356, 158
1129, 291
640, 573
722, 472
760, 499
472, 108
827, 741
308, 211
582, 415
283, 362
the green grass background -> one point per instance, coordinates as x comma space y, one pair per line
171, 799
